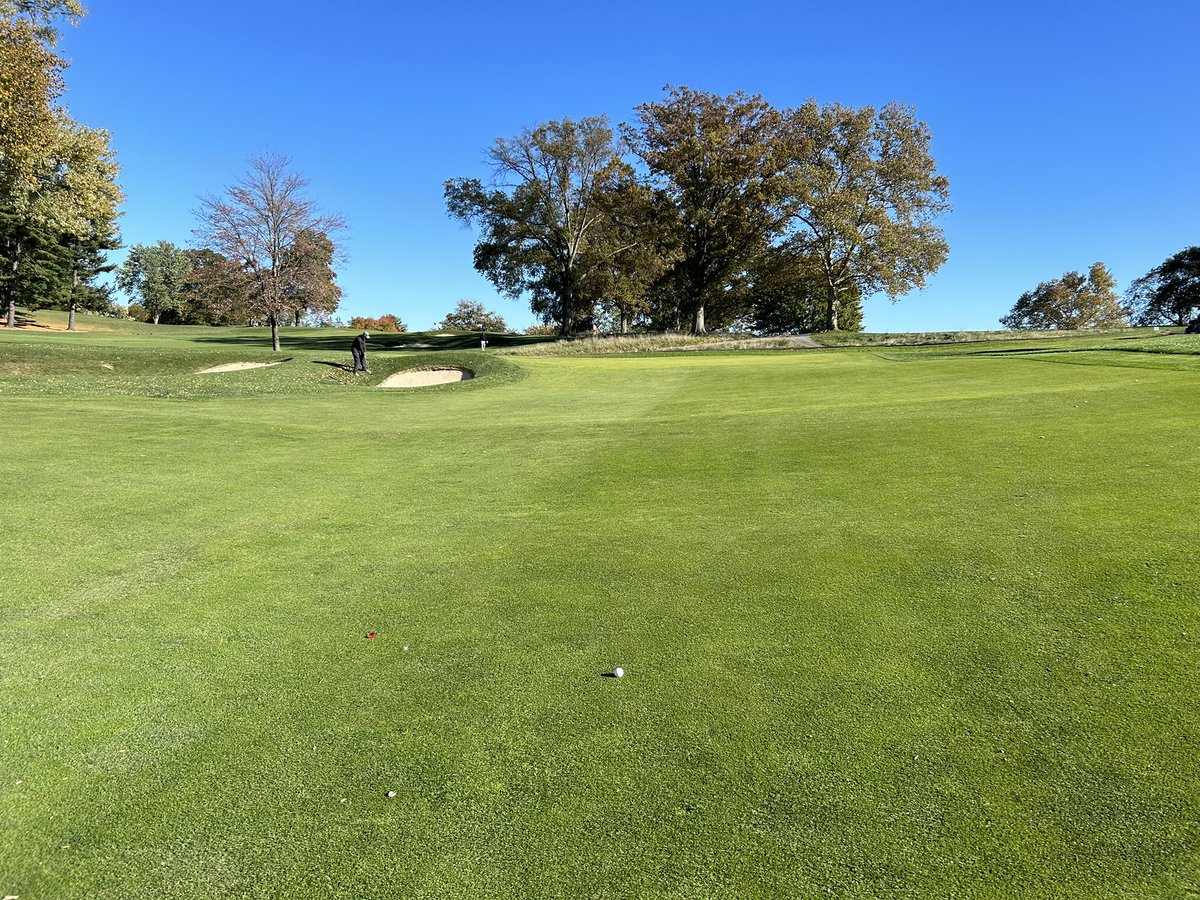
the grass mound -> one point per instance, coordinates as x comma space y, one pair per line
187, 366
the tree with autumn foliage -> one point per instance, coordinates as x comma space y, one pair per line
58, 192
281, 241
544, 227
387, 323
716, 164
863, 200
1073, 301
311, 281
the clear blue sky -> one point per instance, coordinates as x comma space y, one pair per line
1069, 131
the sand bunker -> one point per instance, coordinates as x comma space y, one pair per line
426, 377
237, 367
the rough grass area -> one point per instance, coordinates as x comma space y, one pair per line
654, 343
913, 338
924, 626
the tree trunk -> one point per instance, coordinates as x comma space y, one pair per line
296, 317
564, 314
274, 319
832, 304
154, 320
698, 321
624, 322
74, 294
11, 322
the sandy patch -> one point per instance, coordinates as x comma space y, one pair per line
415, 346
426, 377
237, 367
445, 334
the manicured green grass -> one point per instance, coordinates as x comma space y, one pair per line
922, 625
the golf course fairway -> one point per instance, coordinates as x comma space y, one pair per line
919, 623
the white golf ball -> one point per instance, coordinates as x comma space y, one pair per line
619, 672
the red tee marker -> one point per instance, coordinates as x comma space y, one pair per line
371, 635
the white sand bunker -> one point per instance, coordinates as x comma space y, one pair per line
425, 377
237, 367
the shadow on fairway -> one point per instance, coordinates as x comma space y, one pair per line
333, 365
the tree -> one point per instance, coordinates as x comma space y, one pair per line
715, 163
56, 176
788, 295
640, 251
309, 278
42, 16
73, 194
38, 275
87, 261
1169, 294
30, 82
156, 276
261, 223
385, 323
542, 223
1072, 301
214, 291
864, 195
472, 316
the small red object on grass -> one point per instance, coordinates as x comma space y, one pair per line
371, 635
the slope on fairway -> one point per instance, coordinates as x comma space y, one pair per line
890, 628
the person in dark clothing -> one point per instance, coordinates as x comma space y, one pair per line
359, 351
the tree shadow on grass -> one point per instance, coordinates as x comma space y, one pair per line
334, 365
25, 320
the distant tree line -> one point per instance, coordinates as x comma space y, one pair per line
385, 323
265, 253
710, 211
58, 193
1169, 294
469, 315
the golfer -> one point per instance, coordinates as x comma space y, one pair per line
359, 351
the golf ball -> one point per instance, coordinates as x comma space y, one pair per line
619, 672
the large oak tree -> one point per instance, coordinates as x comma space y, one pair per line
716, 164
544, 226
865, 195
